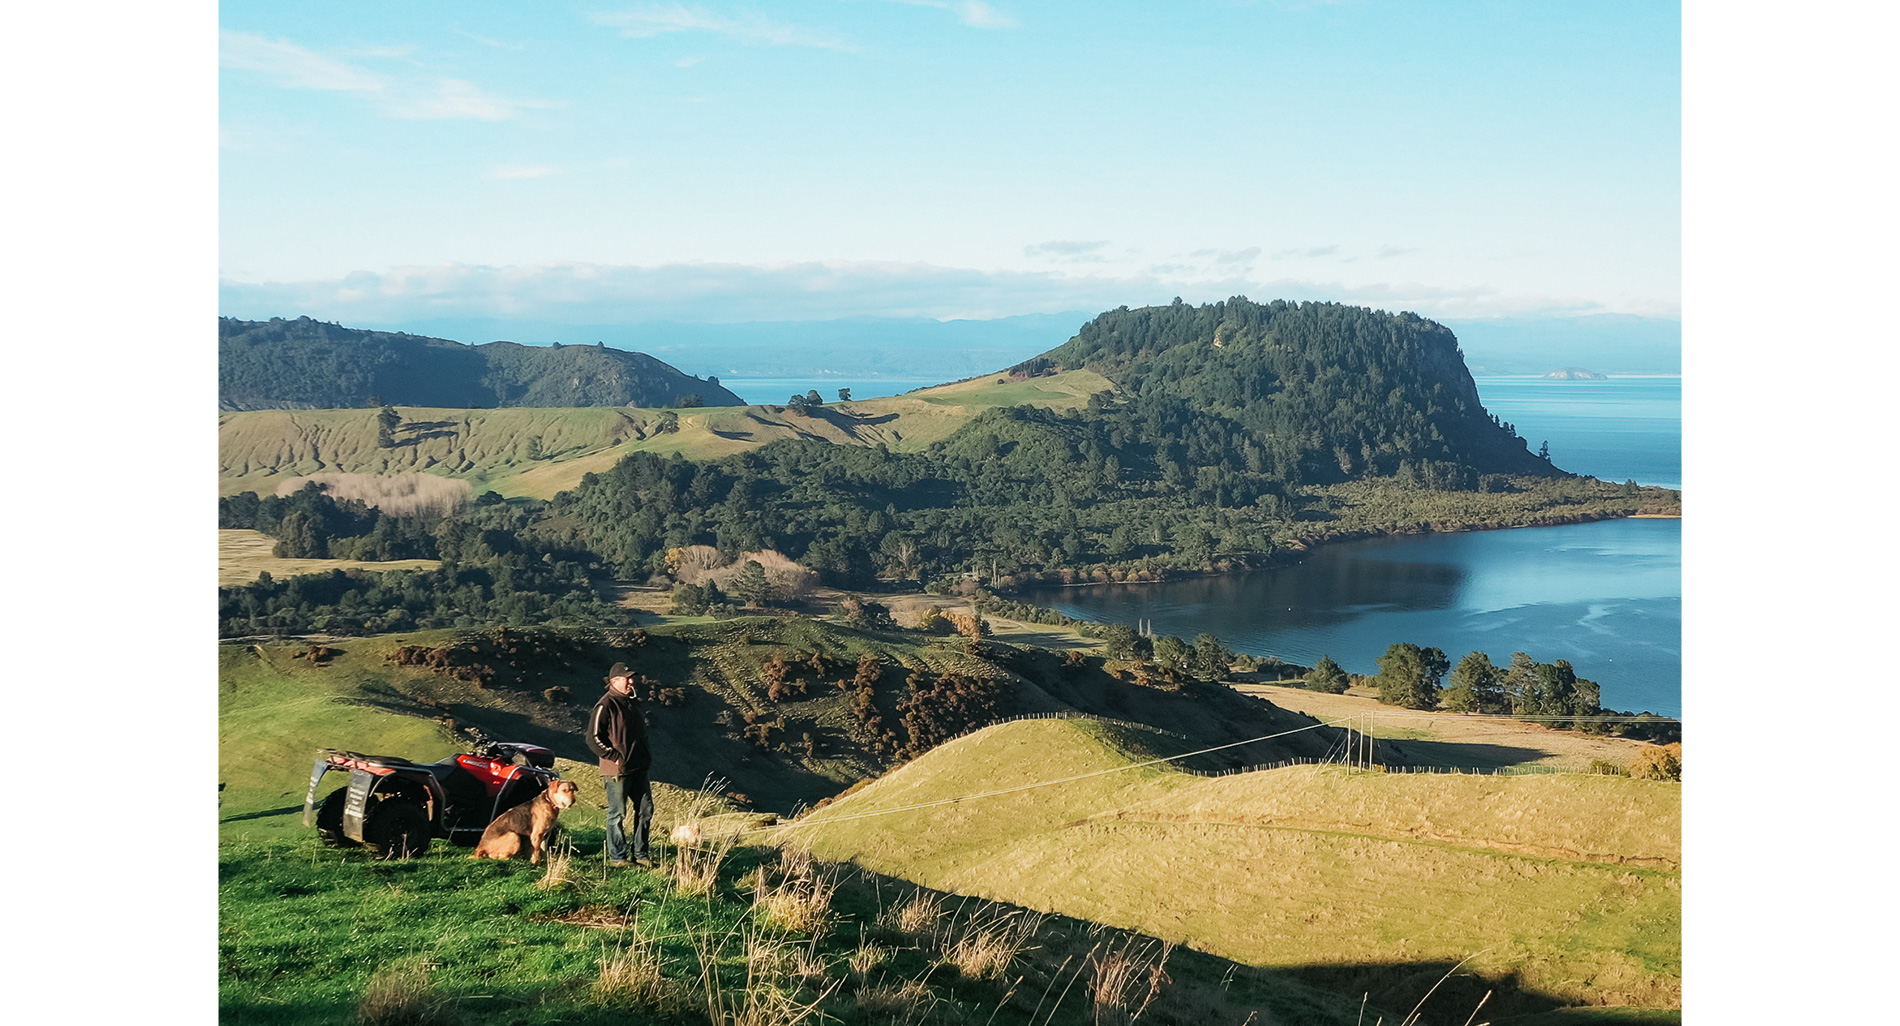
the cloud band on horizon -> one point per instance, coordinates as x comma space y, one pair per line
815, 290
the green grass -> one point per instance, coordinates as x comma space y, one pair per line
307, 933
1321, 883
1569, 882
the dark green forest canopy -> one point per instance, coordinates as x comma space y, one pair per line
1330, 392
305, 363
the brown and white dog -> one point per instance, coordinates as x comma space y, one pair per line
526, 826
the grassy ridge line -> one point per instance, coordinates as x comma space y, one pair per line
1361, 872
490, 447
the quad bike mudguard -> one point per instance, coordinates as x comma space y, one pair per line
459, 795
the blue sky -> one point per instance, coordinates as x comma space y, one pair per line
809, 159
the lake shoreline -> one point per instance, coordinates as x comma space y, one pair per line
1297, 551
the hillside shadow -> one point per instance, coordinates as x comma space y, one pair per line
1200, 987
1462, 755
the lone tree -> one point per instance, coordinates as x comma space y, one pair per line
751, 586
387, 419
1410, 676
691, 402
1327, 677
844, 395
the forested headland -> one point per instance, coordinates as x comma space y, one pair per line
1234, 434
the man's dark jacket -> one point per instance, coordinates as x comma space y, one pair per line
618, 734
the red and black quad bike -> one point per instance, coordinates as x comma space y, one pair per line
396, 806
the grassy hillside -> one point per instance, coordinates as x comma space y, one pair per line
1568, 886
491, 448
276, 709
1323, 884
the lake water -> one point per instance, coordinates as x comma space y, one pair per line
1618, 429
1607, 596
774, 391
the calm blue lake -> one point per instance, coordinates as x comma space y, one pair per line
1606, 596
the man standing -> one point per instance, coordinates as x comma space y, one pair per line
617, 732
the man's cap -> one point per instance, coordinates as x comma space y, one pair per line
619, 670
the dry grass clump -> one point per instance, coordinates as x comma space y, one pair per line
915, 919
801, 902
695, 866
403, 997
985, 944
633, 974
401, 495
903, 1001
1125, 980
695, 870
560, 867
865, 959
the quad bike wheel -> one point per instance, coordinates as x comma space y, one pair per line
330, 819
397, 829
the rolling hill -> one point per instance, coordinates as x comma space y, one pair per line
1567, 885
492, 448
306, 364
276, 708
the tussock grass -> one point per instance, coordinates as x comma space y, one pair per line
559, 871
916, 919
985, 944
633, 973
801, 901
1125, 978
403, 996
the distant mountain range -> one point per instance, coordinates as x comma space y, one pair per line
303, 363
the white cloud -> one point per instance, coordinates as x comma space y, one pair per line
1069, 250
510, 172
292, 67
452, 99
812, 290
647, 21
974, 13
